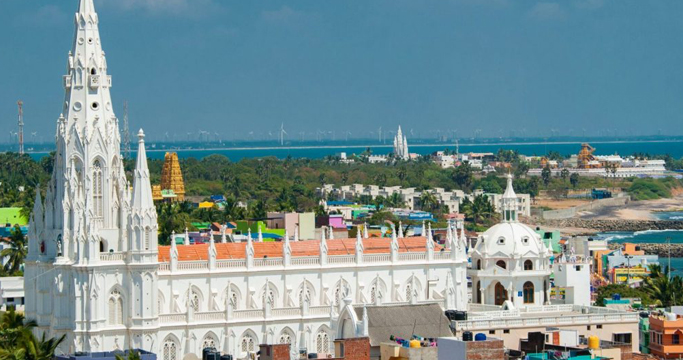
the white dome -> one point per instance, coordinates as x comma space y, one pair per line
508, 238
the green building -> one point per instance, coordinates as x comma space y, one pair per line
12, 216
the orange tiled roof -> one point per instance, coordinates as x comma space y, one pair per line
299, 248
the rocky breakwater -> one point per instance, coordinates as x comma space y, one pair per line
601, 225
656, 249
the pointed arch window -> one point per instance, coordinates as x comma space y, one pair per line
322, 342
373, 294
209, 342
409, 292
304, 294
97, 189
286, 338
195, 300
248, 344
528, 265
115, 308
501, 264
170, 350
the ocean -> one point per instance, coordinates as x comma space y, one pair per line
319, 150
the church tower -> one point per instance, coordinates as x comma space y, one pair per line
82, 238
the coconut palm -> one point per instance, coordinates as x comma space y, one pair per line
664, 289
16, 252
132, 355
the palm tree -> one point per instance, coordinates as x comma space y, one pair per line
16, 252
42, 349
132, 355
664, 289
428, 201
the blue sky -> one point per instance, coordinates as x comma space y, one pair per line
234, 66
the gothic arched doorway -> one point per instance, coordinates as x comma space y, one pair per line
500, 294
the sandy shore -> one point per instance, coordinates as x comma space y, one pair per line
636, 210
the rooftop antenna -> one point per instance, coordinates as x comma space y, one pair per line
126, 131
21, 126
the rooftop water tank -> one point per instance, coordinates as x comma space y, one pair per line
415, 344
467, 336
593, 342
480, 337
671, 316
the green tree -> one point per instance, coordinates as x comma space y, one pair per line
664, 289
428, 201
463, 176
16, 252
546, 175
564, 174
17, 342
574, 179
132, 355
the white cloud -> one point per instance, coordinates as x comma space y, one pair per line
47, 15
546, 11
182, 8
286, 15
589, 4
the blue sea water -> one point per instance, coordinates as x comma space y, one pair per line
315, 151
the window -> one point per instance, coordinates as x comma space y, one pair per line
479, 264
599, 326
525, 240
528, 265
268, 297
115, 308
209, 342
373, 294
501, 263
528, 292
675, 339
506, 331
624, 338
232, 298
170, 350
248, 344
322, 342
588, 327
501, 241
97, 188
578, 267
286, 338
303, 295
194, 299
409, 292
337, 296
492, 332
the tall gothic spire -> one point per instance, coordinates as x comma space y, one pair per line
142, 190
86, 7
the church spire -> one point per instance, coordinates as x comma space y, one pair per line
142, 190
86, 7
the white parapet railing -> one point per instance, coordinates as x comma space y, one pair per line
193, 265
564, 315
172, 318
278, 262
231, 264
412, 256
112, 256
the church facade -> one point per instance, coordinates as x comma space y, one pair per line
96, 273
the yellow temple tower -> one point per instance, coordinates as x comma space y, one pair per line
172, 177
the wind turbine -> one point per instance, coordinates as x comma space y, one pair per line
380, 134
303, 136
282, 134
347, 135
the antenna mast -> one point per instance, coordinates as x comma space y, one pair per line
21, 126
126, 133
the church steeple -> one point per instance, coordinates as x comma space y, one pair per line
143, 216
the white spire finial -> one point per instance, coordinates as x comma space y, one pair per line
296, 233
365, 230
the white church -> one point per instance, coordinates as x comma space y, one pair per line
401, 146
95, 271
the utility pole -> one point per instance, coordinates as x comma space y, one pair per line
126, 131
21, 126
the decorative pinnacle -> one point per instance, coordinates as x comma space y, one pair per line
141, 135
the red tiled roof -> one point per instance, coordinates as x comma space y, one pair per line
299, 248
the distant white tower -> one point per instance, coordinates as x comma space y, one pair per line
21, 126
401, 145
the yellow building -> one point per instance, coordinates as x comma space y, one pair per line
172, 177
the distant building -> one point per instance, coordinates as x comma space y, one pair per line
665, 335
171, 180
401, 146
